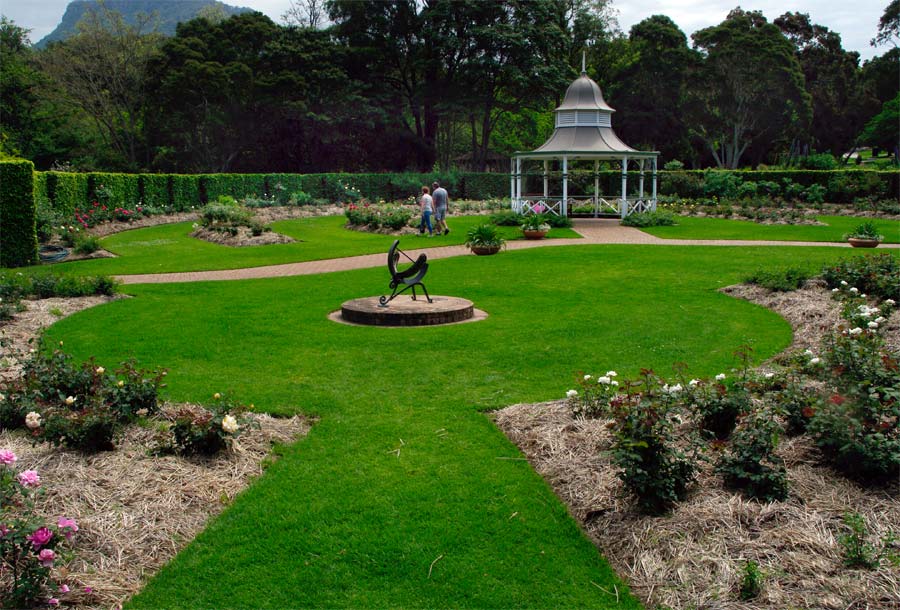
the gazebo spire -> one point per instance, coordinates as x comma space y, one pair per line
583, 64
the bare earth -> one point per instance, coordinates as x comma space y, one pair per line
693, 557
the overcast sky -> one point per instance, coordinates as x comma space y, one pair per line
855, 20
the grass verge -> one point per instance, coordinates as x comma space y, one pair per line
835, 228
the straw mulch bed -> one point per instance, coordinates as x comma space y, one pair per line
135, 511
693, 557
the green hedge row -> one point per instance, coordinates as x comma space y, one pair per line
18, 238
173, 192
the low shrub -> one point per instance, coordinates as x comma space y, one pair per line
559, 222
652, 467
506, 218
86, 243
876, 275
719, 404
392, 217
660, 218
592, 398
779, 280
30, 546
199, 431
751, 581
751, 464
721, 184
798, 404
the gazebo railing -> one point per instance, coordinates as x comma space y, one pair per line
538, 204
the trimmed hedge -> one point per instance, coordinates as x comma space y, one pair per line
156, 190
18, 237
67, 192
185, 191
182, 192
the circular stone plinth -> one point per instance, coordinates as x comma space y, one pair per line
404, 311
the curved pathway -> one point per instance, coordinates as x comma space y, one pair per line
594, 231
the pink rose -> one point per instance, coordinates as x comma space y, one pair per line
7, 457
46, 557
29, 478
67, 527
3, 530
40, 537
53, 601
64, 588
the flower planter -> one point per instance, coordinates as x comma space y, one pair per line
534, 234
862, 243
485, 250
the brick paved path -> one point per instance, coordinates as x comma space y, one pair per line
593, 231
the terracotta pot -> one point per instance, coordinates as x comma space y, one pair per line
862, 243
534, 234
485, 250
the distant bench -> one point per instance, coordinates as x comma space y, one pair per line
408, 279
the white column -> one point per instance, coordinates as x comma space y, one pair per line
641, 181
546, 177
623, 203
596, 187
565, 194
653, 199
512, 184
519, 180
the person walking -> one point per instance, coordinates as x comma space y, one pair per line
441, 204
426, 204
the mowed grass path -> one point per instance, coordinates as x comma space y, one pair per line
403, 474
170, 249
835, 228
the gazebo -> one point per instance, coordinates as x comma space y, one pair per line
583, 132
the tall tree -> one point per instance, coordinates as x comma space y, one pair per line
650, 88
889, 25
18, 101
102, 72
748, 88
840, 104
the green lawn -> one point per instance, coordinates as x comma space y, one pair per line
690, 227
169, 248
343, 521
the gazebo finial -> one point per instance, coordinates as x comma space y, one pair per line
583, 64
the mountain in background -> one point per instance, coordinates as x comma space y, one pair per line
168, 13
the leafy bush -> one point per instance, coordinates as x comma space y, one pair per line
798, 404
29, 545
225, 216
45, 285
779, 280
683, 184
653, 469
673, 165
393, 217
592, 400
876, 275
198, 431
86, 243
660, 218
506, 218
559, 222
301, 198
751, 464
719, 405
824, 161
814, 193
721, 184
747, 190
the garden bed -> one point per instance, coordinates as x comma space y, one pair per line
694, 556
135, 510
242, 238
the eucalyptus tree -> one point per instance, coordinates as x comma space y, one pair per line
889, 25
748, 88
649, 87
840, 103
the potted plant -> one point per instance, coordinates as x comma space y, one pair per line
864, 235
534, 226
484, 239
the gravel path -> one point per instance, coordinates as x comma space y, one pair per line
593, 231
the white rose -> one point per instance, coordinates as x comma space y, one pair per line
604, 380
873, 324
33, 420
720, 376
808, 352
120, 383
613, 382
693, 382
611, 374
229, 424
843, 283
890, 302
880, 319
854, 290
855, 331
586, 377
835, 290
814, 361
571, 394
100, 370
769, 375
70, 400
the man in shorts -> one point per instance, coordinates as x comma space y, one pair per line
441, 203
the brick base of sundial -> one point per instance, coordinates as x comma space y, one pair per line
404, 311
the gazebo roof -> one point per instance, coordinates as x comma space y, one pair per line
584, 127
584, 94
